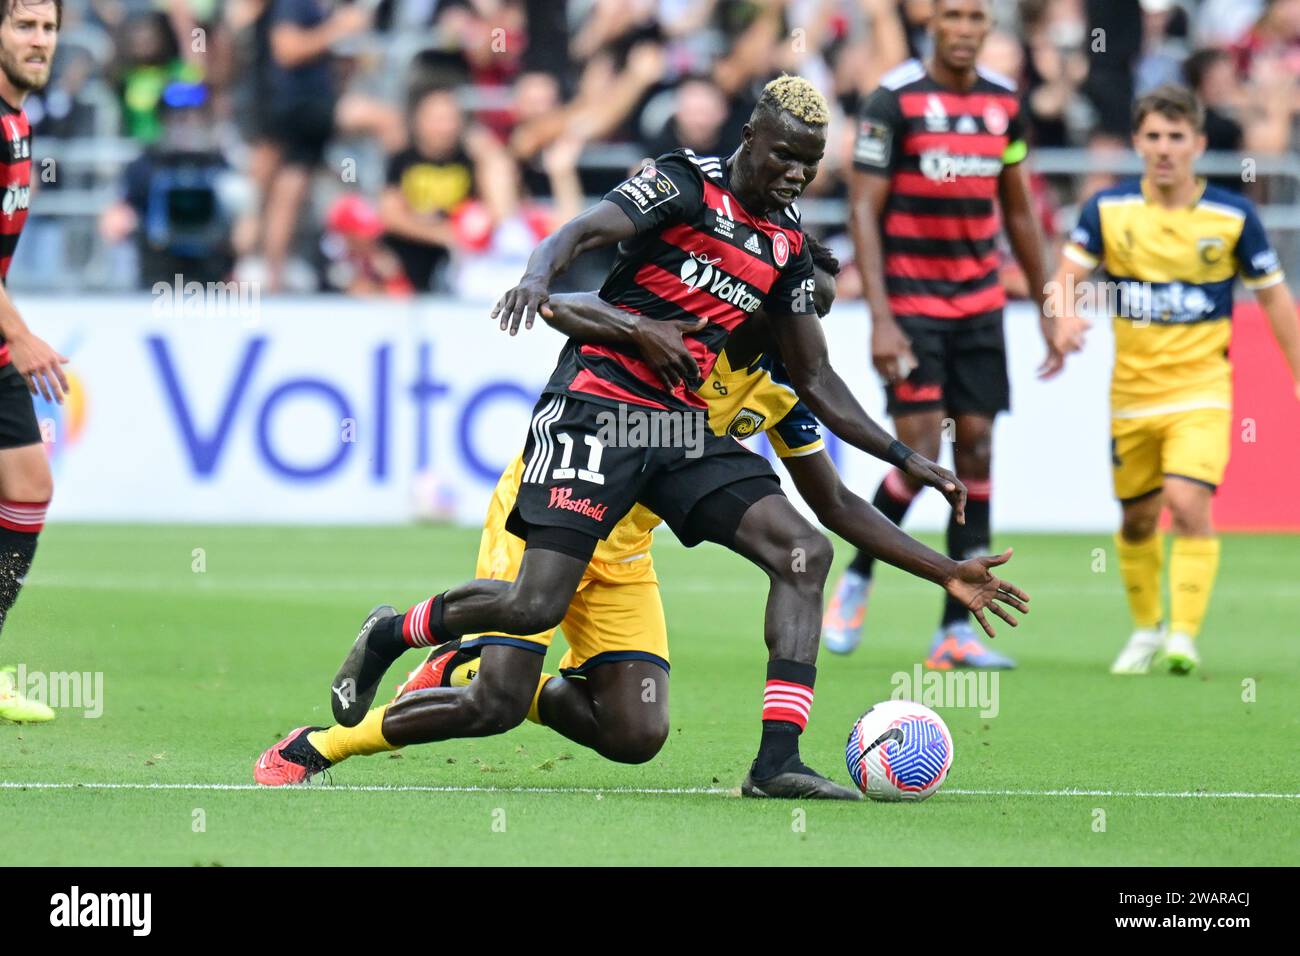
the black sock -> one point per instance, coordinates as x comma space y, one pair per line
892, 508
787, 700
386, 638
777, 749
965, 541
17, 548
300, 751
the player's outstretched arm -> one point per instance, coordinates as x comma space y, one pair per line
586, 317
803, 349
602, 225
859, 523
1278, 305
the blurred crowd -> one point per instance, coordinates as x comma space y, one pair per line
385, 147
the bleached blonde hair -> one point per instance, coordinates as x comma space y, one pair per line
796, 96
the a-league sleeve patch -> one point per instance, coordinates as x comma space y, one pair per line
874, 143
648, 188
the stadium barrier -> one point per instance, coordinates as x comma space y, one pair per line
329, 410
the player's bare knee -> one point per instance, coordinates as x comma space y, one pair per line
975, 462
639, 745
1190, 522
494, 710
531, 612
37, 487
1138, 527
811, 555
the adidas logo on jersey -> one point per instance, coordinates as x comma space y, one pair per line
753, 245
936, 117
966, 125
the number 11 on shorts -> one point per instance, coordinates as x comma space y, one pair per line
591, 472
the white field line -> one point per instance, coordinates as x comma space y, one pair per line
212, 583
639, 791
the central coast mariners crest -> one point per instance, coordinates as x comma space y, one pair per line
1210, 249
747, 422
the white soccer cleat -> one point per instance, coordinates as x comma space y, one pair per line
1180, 654
1140, 651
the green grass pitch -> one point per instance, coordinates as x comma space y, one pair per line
202, 669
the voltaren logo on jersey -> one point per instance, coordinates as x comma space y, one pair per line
700, 272
563, 499
941, 166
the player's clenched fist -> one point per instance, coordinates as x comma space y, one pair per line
521, 304
40, 365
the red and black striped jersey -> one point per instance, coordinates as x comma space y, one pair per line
16, 172
16, 176
697, 253
943, 150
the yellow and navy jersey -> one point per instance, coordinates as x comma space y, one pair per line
1169, 279
759, 398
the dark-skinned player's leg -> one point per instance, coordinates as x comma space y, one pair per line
619, 709
796, 558
535, 601
843, 623
494, 702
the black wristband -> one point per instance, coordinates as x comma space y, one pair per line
897, 453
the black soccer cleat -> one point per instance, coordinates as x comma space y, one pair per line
354, 687
291, 762
796, 782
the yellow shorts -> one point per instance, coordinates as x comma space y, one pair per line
1191, 444
616, 615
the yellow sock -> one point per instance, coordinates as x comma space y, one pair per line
1139, 564
339, 742
533, 715
1193, 562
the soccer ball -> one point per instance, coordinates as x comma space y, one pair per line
899, 750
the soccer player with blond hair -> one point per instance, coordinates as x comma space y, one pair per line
707, 238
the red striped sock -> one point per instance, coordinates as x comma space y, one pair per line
787, 700
897, 487
977, 489
25, 516
422, 624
